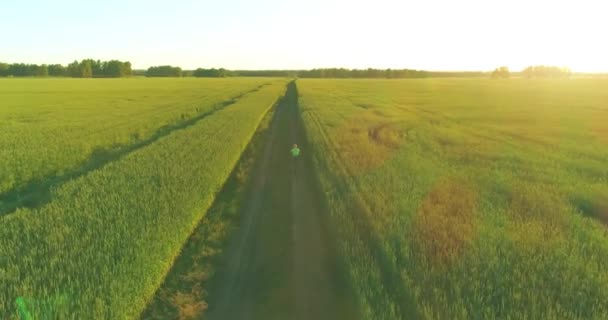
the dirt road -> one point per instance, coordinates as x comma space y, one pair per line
280, 264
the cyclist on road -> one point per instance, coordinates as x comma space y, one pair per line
295, 153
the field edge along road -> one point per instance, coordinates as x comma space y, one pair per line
103, 245
183, 293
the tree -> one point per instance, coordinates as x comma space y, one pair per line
126, 69
361, 73
4, 69
57, 70
113, 69
86, 69
96, 67
74, 69
501, 73
210, 73
200, 72
41, 71
80, 70
546, 72
26, 70
164, 71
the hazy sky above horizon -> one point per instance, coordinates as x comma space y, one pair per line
273, 34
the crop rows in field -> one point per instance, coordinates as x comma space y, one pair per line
38, 193
186, 288
52, 129
102, 245
465, 199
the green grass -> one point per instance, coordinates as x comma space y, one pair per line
467, 198
48, 127
451, 198
102, 245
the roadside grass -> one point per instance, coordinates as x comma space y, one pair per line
183, 294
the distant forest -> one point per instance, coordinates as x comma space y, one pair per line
170, 71
89, 68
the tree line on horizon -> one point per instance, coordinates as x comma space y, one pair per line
362, 73
546, 72
87, 68
170, 71
533, 72
90, 68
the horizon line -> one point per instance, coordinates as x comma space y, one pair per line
320, 68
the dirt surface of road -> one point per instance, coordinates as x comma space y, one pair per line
280, 264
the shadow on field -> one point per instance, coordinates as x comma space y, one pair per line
38, 193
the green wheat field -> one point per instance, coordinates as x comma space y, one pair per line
447, 198
475, 198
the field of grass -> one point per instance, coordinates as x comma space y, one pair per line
466, 198
103, 243
448, 198
55, 129
184, 293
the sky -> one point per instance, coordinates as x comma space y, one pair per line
305, 34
